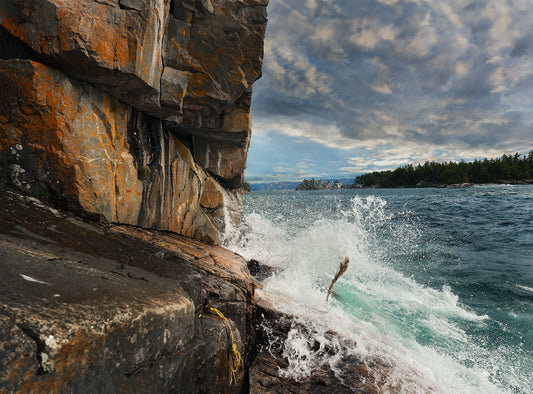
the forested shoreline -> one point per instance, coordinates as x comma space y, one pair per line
506, 169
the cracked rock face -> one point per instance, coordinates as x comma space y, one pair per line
134, 111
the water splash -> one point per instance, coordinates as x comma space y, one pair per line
390, 317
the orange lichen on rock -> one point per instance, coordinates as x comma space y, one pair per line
135, 112
82, 147
211, 195
76, 132
98, 30
237, 120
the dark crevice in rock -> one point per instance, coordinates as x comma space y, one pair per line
185, 139
144, 140
134, 140
127, 5
182, 11
103, 118
38, 342
237, 138
223, 182
172, 7
13, 48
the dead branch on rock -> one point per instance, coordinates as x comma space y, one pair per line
343, 266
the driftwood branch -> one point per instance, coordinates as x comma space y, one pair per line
343, 266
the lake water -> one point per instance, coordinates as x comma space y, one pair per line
440, 282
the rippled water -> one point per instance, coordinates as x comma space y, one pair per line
440, 283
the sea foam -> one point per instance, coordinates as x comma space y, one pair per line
418, 330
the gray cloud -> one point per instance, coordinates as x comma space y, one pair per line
523, 46
451, 73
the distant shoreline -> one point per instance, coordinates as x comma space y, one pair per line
526, 182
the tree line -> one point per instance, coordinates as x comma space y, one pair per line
508, 168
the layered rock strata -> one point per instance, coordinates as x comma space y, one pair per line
132, 111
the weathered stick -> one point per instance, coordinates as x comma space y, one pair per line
343, 266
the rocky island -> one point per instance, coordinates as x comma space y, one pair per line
124, 130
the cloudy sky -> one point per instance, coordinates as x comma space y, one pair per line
351, 86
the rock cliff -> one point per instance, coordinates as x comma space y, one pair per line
131, 111
130, 117
130, 120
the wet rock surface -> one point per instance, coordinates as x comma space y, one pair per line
86, 307
322, 362
259, 270
270, 359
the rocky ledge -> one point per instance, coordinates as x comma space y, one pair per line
92, 307
86, 307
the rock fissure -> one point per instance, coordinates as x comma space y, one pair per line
122, 6
39, 346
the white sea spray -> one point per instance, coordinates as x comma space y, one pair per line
417, 329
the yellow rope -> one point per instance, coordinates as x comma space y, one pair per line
235, 359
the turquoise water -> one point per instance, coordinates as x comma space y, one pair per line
440, 283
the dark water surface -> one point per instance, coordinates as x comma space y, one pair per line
442, 278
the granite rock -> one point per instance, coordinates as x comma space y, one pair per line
269, 359
123, 109
82, 149
86, 307
210, 50
116, 44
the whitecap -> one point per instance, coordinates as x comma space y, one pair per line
525, 288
